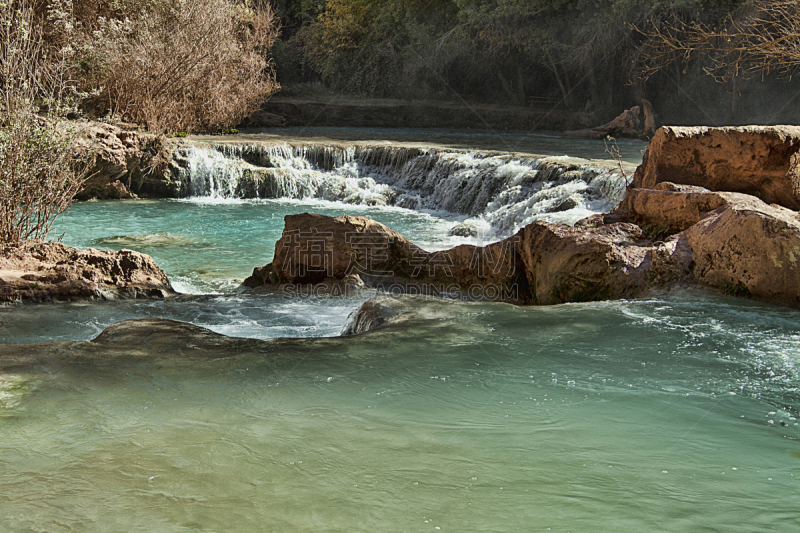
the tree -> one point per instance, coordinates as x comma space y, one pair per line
761, 39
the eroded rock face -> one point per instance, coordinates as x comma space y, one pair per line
542, 264
52, 271
758, 160
128, 163
748, 248
669, 208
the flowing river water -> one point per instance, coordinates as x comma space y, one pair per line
676, 412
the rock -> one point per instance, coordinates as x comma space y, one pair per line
564, 205
52, 271
127, 163
669, 208
637, 122
374, 313
758, 160
607, 261
748, 248
463, 230
542, 264
264, 119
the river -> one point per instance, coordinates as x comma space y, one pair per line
677, 412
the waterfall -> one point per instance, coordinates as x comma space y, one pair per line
497, 193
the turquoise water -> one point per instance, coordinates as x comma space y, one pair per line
668, 414
672, 413
209, 246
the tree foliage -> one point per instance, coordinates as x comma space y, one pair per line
763, 38
577, 52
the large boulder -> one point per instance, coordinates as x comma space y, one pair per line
758, 160
542, 264
748, 248
587, 263
41, 271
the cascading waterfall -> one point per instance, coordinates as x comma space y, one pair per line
497, 193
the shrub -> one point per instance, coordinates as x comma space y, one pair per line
38, 173
175, 65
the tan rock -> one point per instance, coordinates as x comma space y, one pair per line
566, 264
669, 209
748, 248
127, 163
53, 271
542, 264
757, 160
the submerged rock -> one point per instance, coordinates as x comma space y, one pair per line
42, 271
464, 229
374, 313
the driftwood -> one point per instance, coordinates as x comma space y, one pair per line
637, 122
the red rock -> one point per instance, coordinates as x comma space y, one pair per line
669, 208
748, 248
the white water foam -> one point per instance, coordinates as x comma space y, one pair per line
496, 193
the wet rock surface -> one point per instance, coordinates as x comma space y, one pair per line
47, 271
374, 313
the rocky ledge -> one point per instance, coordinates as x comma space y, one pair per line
761, 161
128, 163
542, 264
698, 229
45, 271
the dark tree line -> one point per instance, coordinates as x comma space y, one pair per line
583, 55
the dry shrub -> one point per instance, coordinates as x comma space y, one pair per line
179, 65
39, 175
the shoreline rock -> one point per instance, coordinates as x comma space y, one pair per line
47, 271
